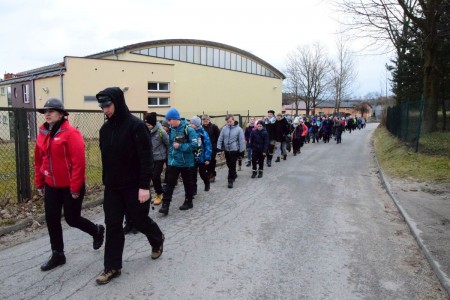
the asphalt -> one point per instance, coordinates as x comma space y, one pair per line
424, 207
426, 210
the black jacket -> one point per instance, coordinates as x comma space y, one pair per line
281, 130
125, 146
259, 140
213, 133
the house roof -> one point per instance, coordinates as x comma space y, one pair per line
186, 42
322, 104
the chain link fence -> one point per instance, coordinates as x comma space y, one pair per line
18, 132
404, 121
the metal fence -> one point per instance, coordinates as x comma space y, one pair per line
18, 131
404, 121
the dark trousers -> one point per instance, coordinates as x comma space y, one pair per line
296, 144
172, 176
271, 149
204, 175
116, 203
156, 178
212, 164
55, 200
231, 157
257, 160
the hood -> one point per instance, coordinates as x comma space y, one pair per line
156, 127
116, 94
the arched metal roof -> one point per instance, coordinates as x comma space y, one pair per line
187, 42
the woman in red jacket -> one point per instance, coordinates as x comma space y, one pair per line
60, 173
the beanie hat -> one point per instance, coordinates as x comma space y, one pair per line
165, 123
196, 121
173, 114
151, 118
259, 122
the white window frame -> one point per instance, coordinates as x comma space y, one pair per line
158, 87
158, 99
26, 93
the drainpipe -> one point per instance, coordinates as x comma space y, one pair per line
61, 84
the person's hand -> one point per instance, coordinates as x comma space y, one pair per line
206, 162
144, 195
40, 191
75, 195
176, 145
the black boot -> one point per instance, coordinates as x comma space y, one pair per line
99, 237
278, 159
57, 259
127, 228
187, 205
269, 163
284, 156
254, 174
165, 208
260, 173
207, 186
249, 163
230, 183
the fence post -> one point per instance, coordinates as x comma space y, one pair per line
22, 155
420, 123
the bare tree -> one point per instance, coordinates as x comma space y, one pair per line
393, 20
306, 71
343, 73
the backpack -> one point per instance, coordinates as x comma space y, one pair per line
200, 144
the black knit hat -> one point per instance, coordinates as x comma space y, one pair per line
151, 118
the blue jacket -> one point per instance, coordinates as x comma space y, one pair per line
205, 154
259, 140
184, 155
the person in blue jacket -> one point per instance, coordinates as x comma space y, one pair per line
202, 155
259, 142
182, 144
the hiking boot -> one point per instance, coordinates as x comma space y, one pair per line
269, 163
187, 205
207, 186
254, 174
158, 199
57, 259
230, 183
165, 208
278, 159
260, 173
107, 276
157, 251
284, 156
129, 228
99, 237
249, 163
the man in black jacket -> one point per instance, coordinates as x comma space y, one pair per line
127, 161
213, 133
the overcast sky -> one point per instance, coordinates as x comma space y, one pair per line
39, 33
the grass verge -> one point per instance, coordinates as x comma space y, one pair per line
430, 165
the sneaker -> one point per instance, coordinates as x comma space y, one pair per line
99, 237
157, 251
158, 199
107, 276
57, 259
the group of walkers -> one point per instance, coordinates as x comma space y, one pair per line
136, 152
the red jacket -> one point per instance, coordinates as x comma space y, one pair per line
59, 161
305, 129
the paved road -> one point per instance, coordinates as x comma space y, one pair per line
317, 226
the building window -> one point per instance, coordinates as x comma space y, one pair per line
157, 101
26, 93
158, 87
209, 56
5, 120
3, 91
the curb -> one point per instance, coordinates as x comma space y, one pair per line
443, 278
27, 222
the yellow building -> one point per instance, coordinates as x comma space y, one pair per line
194, 76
